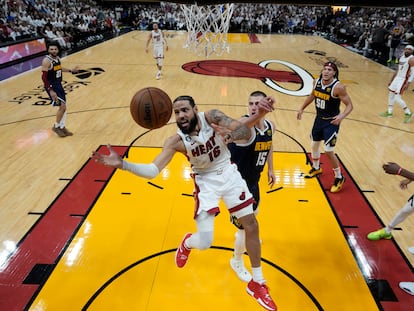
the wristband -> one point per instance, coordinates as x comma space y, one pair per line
399, 171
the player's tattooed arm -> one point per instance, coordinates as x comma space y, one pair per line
228, 128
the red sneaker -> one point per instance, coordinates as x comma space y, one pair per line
261, 293
181, 255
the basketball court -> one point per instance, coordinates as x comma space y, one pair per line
79, 236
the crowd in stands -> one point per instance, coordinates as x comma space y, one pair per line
72, 23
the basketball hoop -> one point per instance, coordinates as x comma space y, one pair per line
207, 28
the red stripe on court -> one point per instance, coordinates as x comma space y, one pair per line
379, 260
253, 38
51, 234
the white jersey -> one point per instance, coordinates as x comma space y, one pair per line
157, 38
206, 152
403, 73
404, 67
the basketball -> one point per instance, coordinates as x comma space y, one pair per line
151, 108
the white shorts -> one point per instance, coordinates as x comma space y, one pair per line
225, 183
158, 51
396, 85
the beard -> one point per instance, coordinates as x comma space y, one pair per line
191, 126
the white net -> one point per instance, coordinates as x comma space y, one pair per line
207, 28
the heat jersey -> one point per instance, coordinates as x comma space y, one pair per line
206, 151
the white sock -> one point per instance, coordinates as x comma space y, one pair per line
258, 275
337, 172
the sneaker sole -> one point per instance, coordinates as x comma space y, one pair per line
259, 300
379, 238
186, 236
245, 279
314, 175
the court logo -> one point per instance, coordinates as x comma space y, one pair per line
299, 79
320, 58
39, 97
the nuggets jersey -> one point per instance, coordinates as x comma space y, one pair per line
206, 152
54, 74
327, 105
251, 157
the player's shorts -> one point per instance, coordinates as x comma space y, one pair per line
255, 191
396, 85
60, 92
158, 51
324, 130
227, 184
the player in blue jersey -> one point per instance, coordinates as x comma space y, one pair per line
328, 93
52, 79
250, 156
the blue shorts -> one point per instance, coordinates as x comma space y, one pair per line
324, 130
60, 92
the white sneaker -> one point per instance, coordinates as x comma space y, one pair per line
411, 249
240, 269
158, 76
408, 287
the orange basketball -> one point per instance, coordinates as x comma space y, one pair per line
151, 108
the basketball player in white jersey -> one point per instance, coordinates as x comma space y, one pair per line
158, 39
200, 139
400, 81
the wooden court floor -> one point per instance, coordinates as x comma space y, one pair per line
115, 234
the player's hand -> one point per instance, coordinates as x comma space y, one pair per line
112, 159
299, 114
266, 104
391, 168
404, 183
271, 178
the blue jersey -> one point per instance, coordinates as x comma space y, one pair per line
251, 157
54, 74
327, 105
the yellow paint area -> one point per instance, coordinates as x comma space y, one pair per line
238, 38
122, 258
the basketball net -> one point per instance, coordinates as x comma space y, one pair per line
207, 28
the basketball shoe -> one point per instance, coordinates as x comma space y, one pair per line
313, 172
158, 76
386, 114
407, 117
240, 269
58, 131
182, 253
260, 292
66, 131
411, 249
379, 234
408, 287
337, 186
